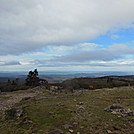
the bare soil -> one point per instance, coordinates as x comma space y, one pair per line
8, 99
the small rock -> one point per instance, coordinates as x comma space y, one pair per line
67, 126
109, 132
80, 103
80, 109
116, 107
28, 122
75, 123
115, 128
107, 110
114, 112
71, 130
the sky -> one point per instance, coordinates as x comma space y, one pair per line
67, 35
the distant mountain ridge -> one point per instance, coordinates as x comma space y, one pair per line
61, 76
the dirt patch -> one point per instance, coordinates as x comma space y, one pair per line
12, 98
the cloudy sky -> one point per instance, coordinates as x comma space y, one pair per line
81, 35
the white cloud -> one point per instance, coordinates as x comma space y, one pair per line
27, 26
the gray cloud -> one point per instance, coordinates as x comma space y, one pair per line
113, 52
90, 64
9, 63
95, 57
30, 25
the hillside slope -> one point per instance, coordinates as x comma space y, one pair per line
81, 112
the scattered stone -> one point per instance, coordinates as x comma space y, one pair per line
80, 103
109, 132
75, 123
26, 121
55, 132
115, 128
19, 112
67, 126
114, 106
80, 109
71, 130
116, 109
78, 132
108, 109
128, 112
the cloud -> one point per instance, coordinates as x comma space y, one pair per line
115, 54
10, 63
117, 64
72, 48
27, 26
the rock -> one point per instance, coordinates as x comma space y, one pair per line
67, 126
78, 133
127, 112
109, 132
80, 103
115, 128
19, 112
26, 121
26, 98
71, 130
75, 123
116, 107
80, 109
115, 112
55, 132
113, 107
107, 110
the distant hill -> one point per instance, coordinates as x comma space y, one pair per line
60, 76
99, 82
4, 79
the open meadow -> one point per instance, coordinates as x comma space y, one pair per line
40, 111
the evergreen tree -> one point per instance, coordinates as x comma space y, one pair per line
32, 78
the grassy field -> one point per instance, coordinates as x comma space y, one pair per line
81, 112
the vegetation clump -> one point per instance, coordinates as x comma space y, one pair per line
33, 79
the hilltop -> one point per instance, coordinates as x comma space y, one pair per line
81, 112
